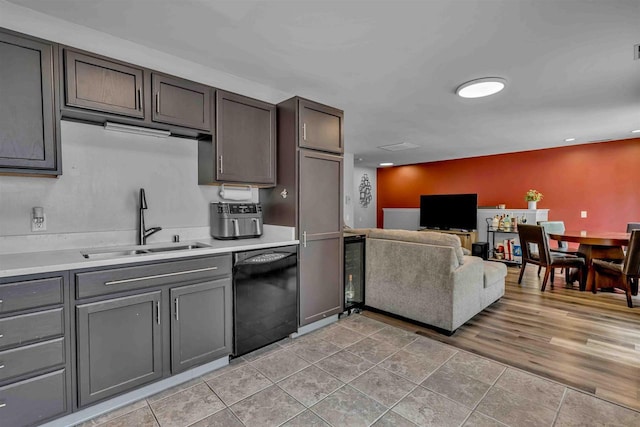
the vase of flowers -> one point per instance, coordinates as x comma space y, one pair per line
533, 197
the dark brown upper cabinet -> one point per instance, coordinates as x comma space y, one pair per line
103, 85
245, 143
29, 133
181, 102
320, 127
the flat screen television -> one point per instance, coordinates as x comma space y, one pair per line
449, 211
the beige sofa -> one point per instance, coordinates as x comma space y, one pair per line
426, 277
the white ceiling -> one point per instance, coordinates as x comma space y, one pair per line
393, 66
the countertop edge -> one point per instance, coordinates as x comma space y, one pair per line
72, 259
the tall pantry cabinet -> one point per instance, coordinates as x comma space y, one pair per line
308, 196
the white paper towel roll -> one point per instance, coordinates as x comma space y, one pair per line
235, 193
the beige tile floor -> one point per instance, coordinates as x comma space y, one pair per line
361, 372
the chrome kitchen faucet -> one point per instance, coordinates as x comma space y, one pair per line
143, 232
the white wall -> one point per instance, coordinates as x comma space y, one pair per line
349, 199
37, 24
364, 217
98, 191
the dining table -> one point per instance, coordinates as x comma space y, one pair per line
595, 245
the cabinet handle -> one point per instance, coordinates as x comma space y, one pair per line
176, 304
2, 405
156, 276
304, 239
139, 99
221, 167
158, 102
158, 312
304, 131
1, 365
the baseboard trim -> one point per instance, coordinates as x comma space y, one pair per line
406, 319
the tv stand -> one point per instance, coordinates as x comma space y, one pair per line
467, 238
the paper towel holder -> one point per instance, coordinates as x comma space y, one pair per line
236, 188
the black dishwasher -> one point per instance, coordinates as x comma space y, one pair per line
265, 289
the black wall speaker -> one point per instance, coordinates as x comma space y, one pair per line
480, 249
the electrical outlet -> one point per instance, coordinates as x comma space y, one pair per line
37, 226
583, 214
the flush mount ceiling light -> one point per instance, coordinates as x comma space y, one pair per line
635, 131
479, 88
117, 127
569, 139
386, 164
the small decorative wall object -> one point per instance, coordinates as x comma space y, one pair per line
365, 191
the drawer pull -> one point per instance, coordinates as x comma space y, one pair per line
156, 276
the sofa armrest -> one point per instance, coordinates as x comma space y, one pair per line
468, 283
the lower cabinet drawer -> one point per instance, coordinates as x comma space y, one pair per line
34, 401
27, 328
30, 358
30, 294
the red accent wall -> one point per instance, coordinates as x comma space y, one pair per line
601, 178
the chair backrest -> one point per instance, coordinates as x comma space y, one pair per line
554, 227
534, 236
633, 226
632, 259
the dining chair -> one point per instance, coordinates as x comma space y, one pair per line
622, 275
557, 227
535, 250
633, 226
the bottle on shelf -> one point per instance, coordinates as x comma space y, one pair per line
349, 292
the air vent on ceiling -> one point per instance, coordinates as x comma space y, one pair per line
399, 147
636, 51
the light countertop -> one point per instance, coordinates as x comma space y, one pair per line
71, 259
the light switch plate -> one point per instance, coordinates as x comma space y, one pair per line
583, 214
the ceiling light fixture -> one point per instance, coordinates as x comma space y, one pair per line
117, 127
479, 88
569, 139
635, 131
386, 164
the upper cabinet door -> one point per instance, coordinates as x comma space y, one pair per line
245, 139
320, 127
181, 102
103, 85
27, 119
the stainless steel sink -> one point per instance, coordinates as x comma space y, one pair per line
178, 248
112, 254
125, 252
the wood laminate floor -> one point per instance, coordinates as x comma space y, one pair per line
586, 341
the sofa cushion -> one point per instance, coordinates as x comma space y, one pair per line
425, 237
494, 273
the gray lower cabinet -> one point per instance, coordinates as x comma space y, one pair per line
35, 372
201, 323
29, 135
119, 345
35, 400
